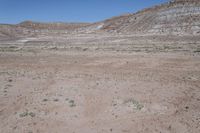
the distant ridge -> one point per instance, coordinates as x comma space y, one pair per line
52, 26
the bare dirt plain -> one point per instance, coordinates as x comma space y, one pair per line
99, 92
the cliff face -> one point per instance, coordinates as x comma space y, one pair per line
180, 17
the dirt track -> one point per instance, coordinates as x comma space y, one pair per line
99, 93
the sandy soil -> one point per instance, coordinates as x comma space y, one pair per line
99, 93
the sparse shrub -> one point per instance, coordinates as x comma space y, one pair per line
72, 103
24, 114
135, 103
32, 114
67, 99
55, 100
45, 100
197, 51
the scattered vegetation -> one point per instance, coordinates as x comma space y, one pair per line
24, 114
32, 114
134, 103
45, 100
67, 99
166, 47
56, 100
8, 49
197, 51
72, 103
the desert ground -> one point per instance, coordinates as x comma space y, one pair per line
99, 92
134, 73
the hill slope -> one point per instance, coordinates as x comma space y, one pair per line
175, 17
